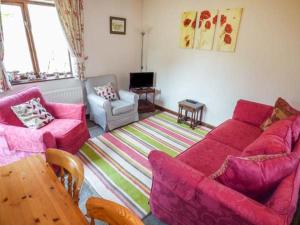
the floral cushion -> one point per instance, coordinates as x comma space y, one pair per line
256, 176
282, 110
32, 114
107, 91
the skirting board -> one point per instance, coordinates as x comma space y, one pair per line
161, 108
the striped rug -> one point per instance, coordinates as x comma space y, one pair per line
116, 163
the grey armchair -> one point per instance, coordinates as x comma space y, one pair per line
111, 114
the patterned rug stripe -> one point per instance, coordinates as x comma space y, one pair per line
143, 166
168, 142
173, 120
116, 163
126, 149
130, 142
175, 128
104, 188
128, 170
168, 133
129, 191
151, 141
158, 134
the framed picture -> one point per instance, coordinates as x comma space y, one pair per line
117, 25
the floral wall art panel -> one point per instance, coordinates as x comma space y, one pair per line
187, 29
205, 29
228, 29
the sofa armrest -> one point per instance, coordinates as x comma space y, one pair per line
193, 187
129, 96
252, 112
99, 101
27, 140
66, 111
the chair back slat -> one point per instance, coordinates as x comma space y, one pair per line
62, 176
70, 166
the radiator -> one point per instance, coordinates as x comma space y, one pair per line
66, 95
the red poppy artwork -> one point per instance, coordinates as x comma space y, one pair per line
205, 31
228, 29
187, 29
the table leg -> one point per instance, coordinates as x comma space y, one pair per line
179, 114
193, 120
197, 118
201, 113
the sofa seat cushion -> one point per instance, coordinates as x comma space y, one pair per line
120, 106
65, 131
235, 133
207, 155
257, 176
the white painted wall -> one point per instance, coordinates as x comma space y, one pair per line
265, 65
110, 53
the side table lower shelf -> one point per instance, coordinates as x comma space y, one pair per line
145, 105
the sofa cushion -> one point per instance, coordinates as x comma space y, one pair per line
252, 112
65, 131
7, 116
266, 145
32, 114
256, 176
280, 137
235, 133
207, 155
106, 91
120, 106
275, 140
282, 110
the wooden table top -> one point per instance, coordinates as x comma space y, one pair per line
30, 194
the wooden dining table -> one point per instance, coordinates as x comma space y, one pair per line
30, 194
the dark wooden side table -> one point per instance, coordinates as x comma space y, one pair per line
196, 111
144, 104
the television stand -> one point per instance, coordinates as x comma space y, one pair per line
144, 104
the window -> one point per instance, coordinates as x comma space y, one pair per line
34, 42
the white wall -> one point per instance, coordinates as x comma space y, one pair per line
265, 65
110, 53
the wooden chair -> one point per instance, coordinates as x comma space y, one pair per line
69, 165
110, 212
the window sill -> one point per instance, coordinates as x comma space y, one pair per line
20, 82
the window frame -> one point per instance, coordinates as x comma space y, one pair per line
23, 4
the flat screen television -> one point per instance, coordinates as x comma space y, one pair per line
141, 80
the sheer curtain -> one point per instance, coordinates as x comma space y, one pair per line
4, 82
71, 16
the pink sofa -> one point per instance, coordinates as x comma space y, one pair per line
68, 131
183, 194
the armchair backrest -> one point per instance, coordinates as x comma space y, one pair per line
7, 116
92, 82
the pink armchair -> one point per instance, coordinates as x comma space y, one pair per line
68, 131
